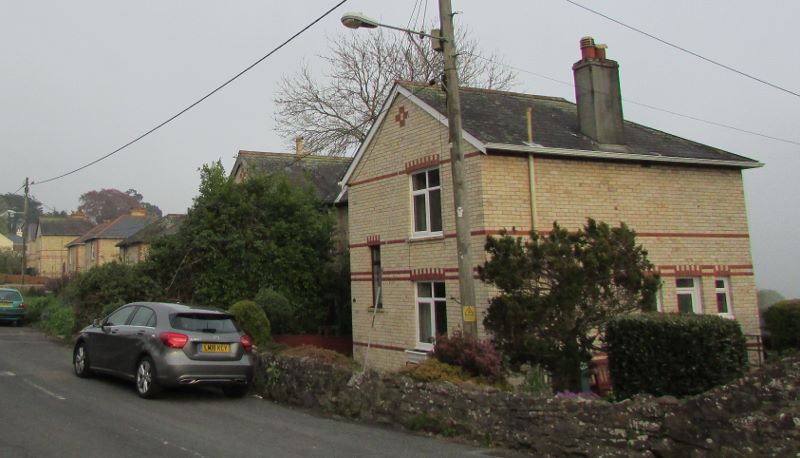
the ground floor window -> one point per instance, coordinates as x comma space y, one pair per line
688, 292
431, 313
722, 289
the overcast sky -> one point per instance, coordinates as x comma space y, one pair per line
82, 78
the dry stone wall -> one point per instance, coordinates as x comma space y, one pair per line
758, 415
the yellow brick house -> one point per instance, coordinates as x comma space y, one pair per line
532, 160
47, 253
99, 245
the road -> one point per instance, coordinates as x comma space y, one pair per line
46, 411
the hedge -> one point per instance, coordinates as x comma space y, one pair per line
782, 323
253, 321
673, 354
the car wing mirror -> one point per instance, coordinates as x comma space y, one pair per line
96, 323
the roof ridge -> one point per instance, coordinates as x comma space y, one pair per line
489, 91
293, 155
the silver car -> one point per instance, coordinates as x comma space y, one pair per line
162, 345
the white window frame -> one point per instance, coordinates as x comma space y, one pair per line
694, 291
427, 232
431, 301
92, 248
726, 289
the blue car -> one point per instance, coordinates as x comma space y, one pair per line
12, 308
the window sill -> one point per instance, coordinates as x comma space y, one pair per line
426, 237
374, 310
416, 356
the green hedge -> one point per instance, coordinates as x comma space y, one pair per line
253, 321
671, 354
782, 323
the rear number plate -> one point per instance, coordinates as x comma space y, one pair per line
6, 304
215, 348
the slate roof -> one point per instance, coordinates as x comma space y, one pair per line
324, 172
496, 117
120, 228
164, 226
63, 226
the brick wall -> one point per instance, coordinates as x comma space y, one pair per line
686, 216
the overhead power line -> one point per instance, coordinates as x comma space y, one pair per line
197, 102
645, 105
680, 48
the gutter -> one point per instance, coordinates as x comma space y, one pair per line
608, 155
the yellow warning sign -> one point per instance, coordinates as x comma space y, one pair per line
469, 313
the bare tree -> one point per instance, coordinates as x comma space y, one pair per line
334, 114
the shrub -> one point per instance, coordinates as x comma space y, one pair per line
58, 319
253, 321
433, 370
671, 354
35, 306
477, 357
107, 287
782, 322
535, 382
282, 314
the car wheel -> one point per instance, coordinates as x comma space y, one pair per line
235, 391
80, 361
146, 384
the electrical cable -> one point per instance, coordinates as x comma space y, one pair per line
217, 89
645, 105
680, 48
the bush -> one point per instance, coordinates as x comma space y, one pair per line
478, 358
671, 354
282, 314
35, 307
782, 322
58, 319
107, 287
253, 321
535, 382
433, 370
321, 355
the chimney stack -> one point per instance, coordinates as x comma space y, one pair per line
141, 211
298, 146
598, 95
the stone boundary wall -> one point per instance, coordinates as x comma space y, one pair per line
758, 415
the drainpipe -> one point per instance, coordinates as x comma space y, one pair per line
531, 181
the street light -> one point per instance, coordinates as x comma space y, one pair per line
446, 42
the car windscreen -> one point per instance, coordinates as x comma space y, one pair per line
10, 296
213, 323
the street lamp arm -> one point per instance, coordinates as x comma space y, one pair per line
354, 20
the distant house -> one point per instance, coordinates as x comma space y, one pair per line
6, 244
532, 160
99, 245
322, 172
47, 239
135, 248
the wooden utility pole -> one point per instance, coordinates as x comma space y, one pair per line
466, 281
25, 233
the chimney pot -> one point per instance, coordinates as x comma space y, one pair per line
600, 51
587, 48
298, 145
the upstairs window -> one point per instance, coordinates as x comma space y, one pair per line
377, 277
688, 292
426, 195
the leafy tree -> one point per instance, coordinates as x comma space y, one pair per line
108, 204
558, 291
240, 237
333, 115
768, 297
16, 203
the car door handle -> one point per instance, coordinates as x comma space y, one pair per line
114, 331
140, 333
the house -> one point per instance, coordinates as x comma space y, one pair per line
6, 244
99, 245
135, 248
322, 172
532, 160
47, 239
